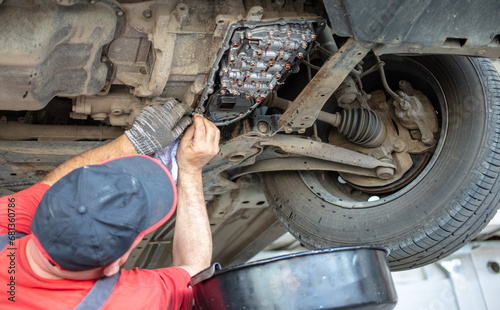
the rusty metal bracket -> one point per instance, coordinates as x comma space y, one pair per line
305, 108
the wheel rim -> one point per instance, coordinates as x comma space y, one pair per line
331, 188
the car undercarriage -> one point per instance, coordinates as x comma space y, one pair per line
342, 122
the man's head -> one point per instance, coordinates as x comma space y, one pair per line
91, 217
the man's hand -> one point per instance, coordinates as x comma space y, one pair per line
158, 126
199, 144
192, 248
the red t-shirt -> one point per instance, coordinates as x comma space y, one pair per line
165, 288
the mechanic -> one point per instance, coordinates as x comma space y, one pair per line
92, 211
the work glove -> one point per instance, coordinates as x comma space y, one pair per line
158, 126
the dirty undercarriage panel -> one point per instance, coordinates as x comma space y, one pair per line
49, 50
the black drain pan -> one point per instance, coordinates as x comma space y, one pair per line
339, 278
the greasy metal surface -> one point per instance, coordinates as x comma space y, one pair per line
145, 51
305, 108
342, 278
162, 53
49, 50
119, 108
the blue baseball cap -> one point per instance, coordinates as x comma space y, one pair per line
93, 215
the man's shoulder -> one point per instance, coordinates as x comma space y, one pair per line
34, 192
17, 210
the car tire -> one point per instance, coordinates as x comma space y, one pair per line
441, 210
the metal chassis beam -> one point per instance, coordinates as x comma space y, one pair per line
304, 110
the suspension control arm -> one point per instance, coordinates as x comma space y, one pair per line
328, 152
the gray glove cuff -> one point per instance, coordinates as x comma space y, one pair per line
142, 146
159, 126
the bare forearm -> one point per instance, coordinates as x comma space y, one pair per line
119, 147
192, 248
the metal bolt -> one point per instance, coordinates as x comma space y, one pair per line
404, 105
301, 130
383, 106
480, 53
119, 13
384, 172
143, 70
92, 1
104, 59
147, 13
262, 127
288, 129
